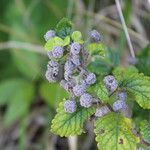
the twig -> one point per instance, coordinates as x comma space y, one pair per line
125, 28
22, 45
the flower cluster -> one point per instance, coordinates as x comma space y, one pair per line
76, 79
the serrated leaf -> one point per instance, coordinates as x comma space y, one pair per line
52, 93
56, 41
136, 84
96, 49
143, 63
100, 91
65, 124
113, 131
64, 28
76, 36
145, 130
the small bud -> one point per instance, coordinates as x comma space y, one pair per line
90, 79
95, 35
78, 90
122, 96
86, 100
70, 106
110, 83
49, 54
102, 111
75, 48
53, 64
50, 76
69, 66
49, 34
75, 60
67, 75
57, 52
118, 105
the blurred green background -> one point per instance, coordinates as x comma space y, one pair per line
27, 100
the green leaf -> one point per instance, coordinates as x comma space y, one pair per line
143, 64
145, 130
56, 41
100, 91
52, 93
64, 28
66, 41
20, 103
65, 124
114, 132
7, 88
136, 84
76, 36
96, 49
28, 63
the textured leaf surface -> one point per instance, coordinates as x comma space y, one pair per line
76, 36
56, 41
113, 132
145, 130
136, 84
96, 49
65, 124
64, 28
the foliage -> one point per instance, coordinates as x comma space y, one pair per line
113, 131
65, 124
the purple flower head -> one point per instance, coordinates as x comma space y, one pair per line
49, 34
57, 52
86, 100
70, 106
75, 48
94, 34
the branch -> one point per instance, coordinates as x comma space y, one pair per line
22, 45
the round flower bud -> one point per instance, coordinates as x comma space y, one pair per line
101, 111
49, 54
69, 66
110, 83
50, 76
53, 64
90, 79
86, 100
63, 84
118, 105
67, 75
75, 60
70, 106
78, 90
57, 52
75, 48
122, 96
49, 34
95, 35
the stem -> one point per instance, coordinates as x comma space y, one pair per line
22, 45
72, 141
125, 28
